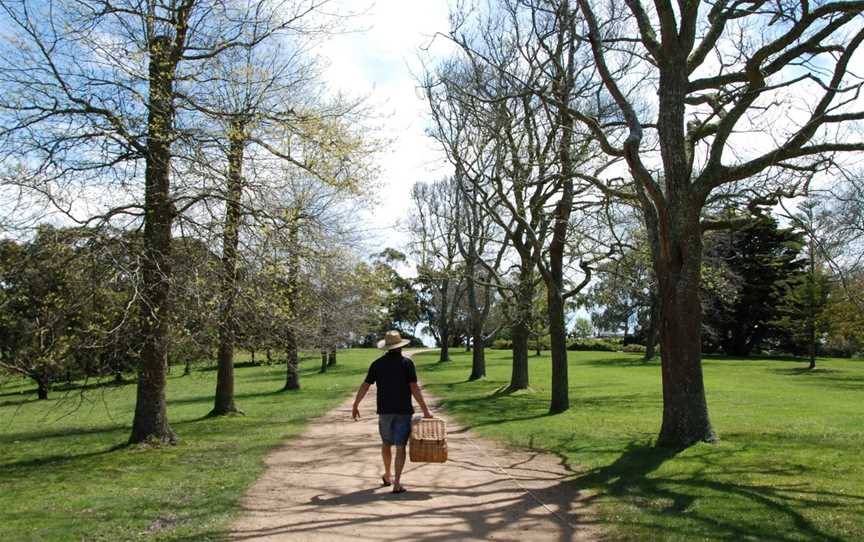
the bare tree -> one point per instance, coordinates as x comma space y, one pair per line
434, 228
717, 82
476, 233
525, 157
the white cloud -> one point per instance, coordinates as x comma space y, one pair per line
380, 62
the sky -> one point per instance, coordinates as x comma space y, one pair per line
380, 60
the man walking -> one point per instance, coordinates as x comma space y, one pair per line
396, 379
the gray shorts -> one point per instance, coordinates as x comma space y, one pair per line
394, 428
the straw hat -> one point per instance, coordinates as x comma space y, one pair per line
392, 340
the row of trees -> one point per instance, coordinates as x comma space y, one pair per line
195, 141
69, 297
579, 131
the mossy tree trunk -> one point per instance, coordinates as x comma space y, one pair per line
292, 376
224, 399
151, 418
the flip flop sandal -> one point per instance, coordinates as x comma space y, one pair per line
384, 482
399, 489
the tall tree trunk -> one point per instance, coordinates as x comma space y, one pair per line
331, 357
444, 322
323, 361
478, 354
292, 377
519, 330
252, 355
678, 269
224, 400
558, 346
151, 418
811, 302
554, 277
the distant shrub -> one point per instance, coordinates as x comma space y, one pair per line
597, 345
634, 348
507, 344
502, 344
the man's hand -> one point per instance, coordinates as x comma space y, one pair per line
427, 414
355, 412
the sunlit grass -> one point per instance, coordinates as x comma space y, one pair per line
788, 466
65, 474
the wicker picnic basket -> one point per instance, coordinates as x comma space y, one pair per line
428, 442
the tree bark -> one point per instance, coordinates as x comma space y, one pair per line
558, 346
811, 302
478, 354
678, 269
651, 332
43, 386
554, 276
331, 357
323, 361
151, 418
292, 377
519, 379
224, 399
444, 322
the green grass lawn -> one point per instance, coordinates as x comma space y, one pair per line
789, 465
64, 474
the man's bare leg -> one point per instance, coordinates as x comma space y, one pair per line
400, 464
387, 457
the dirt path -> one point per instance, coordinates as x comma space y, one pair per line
324, 486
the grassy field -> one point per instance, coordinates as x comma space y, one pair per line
65, 475
789, 466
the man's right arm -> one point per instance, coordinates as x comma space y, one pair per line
415, 391
361, 393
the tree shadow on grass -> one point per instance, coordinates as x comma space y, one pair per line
57, 459
498, 408
623, 361
60, 433
63, 389
824, 376
18, 402
633, 478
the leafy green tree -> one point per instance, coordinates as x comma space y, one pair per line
801, 320
843, 318
402, 307
54, 311
763, 262
582, 328
195, 288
